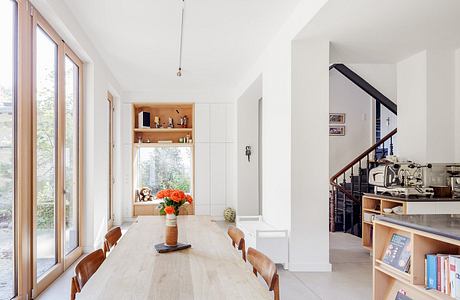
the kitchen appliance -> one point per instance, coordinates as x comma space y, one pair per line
403, 179
454, 179
455, 186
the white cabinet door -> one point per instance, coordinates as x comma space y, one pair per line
202, 179
218, 117
202, 123
218, 174
231, 123
230, 176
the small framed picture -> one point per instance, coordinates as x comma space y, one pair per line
337, 118
336, 130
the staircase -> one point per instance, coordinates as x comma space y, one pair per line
351, 182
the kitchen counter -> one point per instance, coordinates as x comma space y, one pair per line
443, 225
404, 199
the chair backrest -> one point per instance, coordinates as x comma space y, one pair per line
237, 237
266, 268
85, 269
111, 238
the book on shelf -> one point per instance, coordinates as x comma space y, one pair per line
398, 252
401, 295
442, 273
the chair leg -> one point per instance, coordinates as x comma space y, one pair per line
276, 288
73, 288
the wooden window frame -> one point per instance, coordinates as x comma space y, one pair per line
63, 260
26, 283
110, 216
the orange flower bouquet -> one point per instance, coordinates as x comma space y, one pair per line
172, 201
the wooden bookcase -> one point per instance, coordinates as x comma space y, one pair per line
388, 280
375, 205
150, 137
163, 111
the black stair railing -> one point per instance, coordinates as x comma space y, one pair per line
351, 182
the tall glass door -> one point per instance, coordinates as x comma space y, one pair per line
46, 99
8, 54
57, 155
71, 158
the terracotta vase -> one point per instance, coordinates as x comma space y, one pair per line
171, 230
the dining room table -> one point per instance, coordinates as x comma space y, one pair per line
210, 269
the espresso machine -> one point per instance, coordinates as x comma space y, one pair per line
454, 179
402, 179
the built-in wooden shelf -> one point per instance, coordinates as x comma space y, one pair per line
388, 280
373, 204
163, 130
163, 144
163, 111
149, 138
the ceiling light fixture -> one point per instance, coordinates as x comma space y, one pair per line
179, 71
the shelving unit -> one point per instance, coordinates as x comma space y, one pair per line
163, 130
388, 280
163, 111
375, 205
150, 137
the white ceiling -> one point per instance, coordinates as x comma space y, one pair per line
139, 39
385, 31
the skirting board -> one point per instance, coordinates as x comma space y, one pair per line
293, 267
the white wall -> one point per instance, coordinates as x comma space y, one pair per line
215, 164
346, 97
440, 105
97, 81
275, 66
457, 105
248, 134
426, 118
381, 76
412, 111
309, 237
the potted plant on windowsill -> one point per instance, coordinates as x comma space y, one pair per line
172, 201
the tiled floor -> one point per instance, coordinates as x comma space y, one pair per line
351, 278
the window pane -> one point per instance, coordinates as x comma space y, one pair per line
165, 168
7, 97
71, 156
46, 100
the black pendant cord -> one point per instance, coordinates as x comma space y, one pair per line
179, 72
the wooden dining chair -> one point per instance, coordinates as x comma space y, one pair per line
111, 239
266, 268
237, 237
84, 270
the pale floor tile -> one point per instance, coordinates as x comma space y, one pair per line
351, 278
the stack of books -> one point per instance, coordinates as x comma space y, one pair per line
442, 273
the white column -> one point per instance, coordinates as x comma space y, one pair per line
457, 105
426, 120
412, 99
309, 239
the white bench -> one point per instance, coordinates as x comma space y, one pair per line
268, 239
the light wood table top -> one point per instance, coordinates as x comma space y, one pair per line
211, 269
